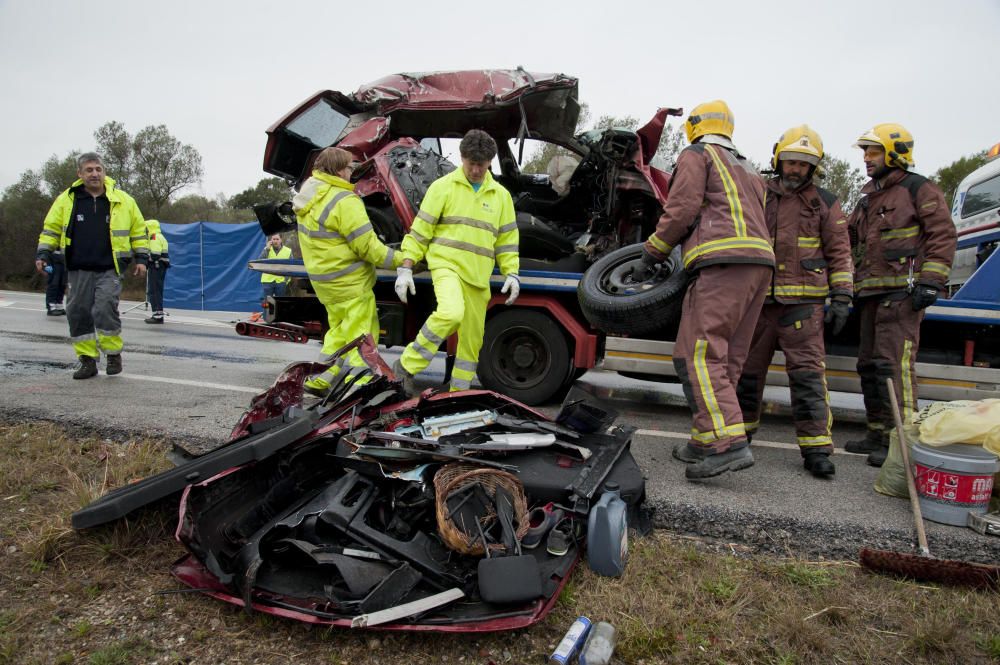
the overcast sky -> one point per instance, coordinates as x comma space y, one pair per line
218, 73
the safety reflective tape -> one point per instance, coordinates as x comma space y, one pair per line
427, 217
463, 246
469, 221
506, 228
390, 258
424, 352
905, 232
660, 245
329, 206
841, 277
907, 380
123, 255
431, 336
724, 244
89, 337
46, 232
460, 384
934, 266
119, 232
735, 208
319, 233
419, 238
705, 384
874, 282
801, 290
326, 277
715, 435
45, 245
358, 232
467, 365
504, 249
809, 242
810, 441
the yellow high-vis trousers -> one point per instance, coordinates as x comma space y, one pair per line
348, 319
462, 308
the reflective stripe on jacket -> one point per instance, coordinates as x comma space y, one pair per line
339, 246
464, 230
715, 207
812, 249
127, 227
901, 225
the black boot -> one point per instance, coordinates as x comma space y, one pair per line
714, 465
873, 440
114, 364
688, 454
877, 456
87, 368
819, 464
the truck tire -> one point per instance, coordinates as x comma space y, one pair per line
615, 304
524, 356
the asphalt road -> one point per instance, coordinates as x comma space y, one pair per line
189, 380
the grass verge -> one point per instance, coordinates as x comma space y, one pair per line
105, 596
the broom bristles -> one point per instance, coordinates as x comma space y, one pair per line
924, 569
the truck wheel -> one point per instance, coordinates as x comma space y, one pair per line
524, 356
385, 223
614, 303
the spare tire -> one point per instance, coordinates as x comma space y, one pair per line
385, 223
614, 303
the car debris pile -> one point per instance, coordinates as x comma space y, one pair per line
448, 511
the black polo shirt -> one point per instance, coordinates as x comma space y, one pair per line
89, 228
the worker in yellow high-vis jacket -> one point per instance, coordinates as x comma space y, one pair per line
465, 225
339, 249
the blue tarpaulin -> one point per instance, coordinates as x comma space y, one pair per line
208, 266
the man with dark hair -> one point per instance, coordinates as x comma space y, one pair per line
465, 225
813, 254
156, 275
100, 230
715, 211
904, 243
274, 285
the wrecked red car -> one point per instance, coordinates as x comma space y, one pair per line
458, 512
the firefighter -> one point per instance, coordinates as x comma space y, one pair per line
903, 242
465, 225
813, 255
156, 274
100, 230
339, 249
715, 211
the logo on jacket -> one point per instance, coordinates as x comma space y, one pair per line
487, 207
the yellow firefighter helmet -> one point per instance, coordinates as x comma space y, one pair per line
895, 139
801, 143
709, 118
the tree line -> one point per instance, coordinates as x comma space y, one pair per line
155, 167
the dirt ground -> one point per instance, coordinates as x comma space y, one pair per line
105, 596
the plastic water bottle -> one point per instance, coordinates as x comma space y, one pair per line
600, 644
607, 533
571, 642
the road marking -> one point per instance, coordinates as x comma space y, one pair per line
757, 443
6, 304
198, 384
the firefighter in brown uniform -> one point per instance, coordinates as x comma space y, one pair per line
812, 251
904, 242
715, 210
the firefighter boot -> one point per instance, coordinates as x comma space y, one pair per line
87, 368
877, 456
114, 364
714, 465
409, 386
871, 443
688, 454
818, 464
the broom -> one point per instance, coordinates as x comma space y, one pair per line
923, 566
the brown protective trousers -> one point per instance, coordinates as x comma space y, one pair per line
890, 335
718, 317
798, 331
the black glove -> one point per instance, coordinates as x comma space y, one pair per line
647, 268
840, 309
923, 295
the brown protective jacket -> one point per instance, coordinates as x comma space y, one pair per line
901, 226
812, 248
715, 207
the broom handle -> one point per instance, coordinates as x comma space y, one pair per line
911, 485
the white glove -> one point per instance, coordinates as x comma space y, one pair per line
514, 286
404, 283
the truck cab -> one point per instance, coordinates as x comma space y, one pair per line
976, 213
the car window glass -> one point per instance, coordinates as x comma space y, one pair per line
320, 124
982, 197
432, 144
